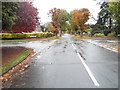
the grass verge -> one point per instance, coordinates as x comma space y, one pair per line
53, 38
84, 37
96, 37
4, 68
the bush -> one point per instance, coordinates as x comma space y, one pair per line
112, 34
12, 35
98, 34
23, 35
106, 32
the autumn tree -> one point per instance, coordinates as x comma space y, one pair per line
28, 19
59, 18
80, 17
49, 26
73, 26
55, 29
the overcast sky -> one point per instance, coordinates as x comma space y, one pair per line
45, 5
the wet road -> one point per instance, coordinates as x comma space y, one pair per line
68, 63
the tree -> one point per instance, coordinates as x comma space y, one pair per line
114, 8
55, 14
9, 15
73, 26
104, 19
55, 31
28, 19
1, 16
42, 28
59, 18
49, 27
97, 28
80, 17
65, 17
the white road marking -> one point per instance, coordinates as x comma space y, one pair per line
88, 71
37, 52
73, 46
102, 46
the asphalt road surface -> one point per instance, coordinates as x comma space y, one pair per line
69, 63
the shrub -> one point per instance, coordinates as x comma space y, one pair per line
106, 32
24, 35
112, 34
98, 34
13, 35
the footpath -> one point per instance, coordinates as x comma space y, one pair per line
112, 45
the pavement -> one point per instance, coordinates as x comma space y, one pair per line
112, 45
68, 63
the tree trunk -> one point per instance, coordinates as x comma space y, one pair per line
110, 23
56, 35
60, 33
81, 32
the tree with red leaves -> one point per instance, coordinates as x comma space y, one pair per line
28, 19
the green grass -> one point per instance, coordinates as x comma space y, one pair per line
99, 36
53, 38
4, 68
84, 37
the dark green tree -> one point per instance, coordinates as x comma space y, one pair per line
104, 22
114, 8
9, 14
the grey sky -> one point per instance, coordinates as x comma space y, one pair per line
45, 5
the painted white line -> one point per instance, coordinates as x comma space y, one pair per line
88, 71
73, 46
102, 46
37, 52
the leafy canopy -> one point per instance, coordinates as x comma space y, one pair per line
9, 15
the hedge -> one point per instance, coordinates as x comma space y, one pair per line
99, 34
24, 35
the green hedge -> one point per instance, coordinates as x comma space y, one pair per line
24, 35
99, 34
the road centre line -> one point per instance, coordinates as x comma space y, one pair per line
87, 69
73, 46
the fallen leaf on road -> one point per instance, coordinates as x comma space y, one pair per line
6, 75
1, 78
26, 66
